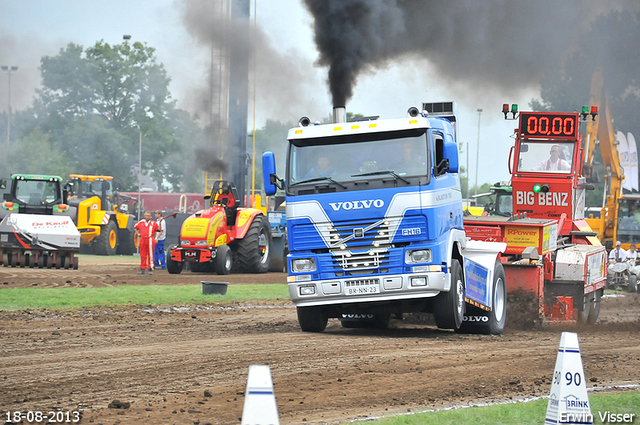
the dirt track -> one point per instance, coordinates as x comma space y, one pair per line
162, 361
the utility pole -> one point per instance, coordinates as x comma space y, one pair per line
9, 69
478, 150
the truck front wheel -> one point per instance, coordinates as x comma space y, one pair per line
448, 308
312, 319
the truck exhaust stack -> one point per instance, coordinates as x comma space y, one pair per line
339, 114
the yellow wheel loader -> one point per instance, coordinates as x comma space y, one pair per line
105, 226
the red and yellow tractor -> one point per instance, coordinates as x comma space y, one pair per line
223, 237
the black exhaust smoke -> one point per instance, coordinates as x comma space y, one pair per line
502, 47
208, 159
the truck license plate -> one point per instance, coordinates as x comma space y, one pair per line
362, 289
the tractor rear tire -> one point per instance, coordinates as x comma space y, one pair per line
449, 307
253, 252
224, 260
126, 242
107, 242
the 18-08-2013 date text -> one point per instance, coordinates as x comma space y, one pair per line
50, 417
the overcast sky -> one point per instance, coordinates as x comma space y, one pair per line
30, 29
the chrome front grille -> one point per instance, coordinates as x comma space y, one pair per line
362, 234
360, 260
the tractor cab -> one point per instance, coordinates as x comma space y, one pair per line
35, 194
82, 187
224, 194
503, 203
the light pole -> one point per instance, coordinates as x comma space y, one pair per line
9, 69
478, 151
139, 172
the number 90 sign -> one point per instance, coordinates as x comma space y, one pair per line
549, 125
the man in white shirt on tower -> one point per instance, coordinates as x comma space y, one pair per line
554, 163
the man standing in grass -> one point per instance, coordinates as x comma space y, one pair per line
160, 238
146, 231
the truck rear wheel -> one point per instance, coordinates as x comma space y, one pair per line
312, 319
253, 252
477, 320
224, 259
449, 307
107, 242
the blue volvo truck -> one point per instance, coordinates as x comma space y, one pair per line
374, 225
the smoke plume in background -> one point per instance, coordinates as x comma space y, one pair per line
284, 79
504, 45
209, 160
19, 51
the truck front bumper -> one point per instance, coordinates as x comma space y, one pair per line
360, 289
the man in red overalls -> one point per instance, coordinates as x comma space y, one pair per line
146, 230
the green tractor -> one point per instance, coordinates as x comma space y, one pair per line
36, 229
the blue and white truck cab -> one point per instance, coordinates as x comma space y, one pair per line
374, 225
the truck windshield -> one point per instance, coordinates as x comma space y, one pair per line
545, 157
398, 154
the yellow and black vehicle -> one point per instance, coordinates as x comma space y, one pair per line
105, 226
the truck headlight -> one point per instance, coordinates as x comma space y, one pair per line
185, 242
303, 265
419, 281
418, 256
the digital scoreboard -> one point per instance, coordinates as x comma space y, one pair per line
549, 125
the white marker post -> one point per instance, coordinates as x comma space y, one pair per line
568, 401
260, 406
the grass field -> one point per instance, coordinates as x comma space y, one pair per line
75, 298
519, 413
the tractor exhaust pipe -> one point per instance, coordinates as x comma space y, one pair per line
339, 114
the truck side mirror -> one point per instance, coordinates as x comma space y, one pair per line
451, 154
269, 177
